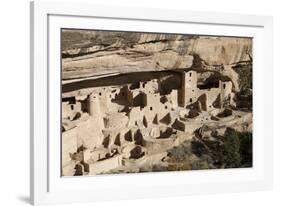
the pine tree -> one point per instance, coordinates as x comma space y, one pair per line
246, 149
231, 150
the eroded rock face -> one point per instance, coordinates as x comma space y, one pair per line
222, 51
87, 54
122, 61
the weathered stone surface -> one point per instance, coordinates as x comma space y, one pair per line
94, 53
122, 61
69, 145
226, 51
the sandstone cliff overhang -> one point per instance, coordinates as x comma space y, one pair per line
95, 54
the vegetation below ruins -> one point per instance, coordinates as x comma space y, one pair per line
233, 150
237, 149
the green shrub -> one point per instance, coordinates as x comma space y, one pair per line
237, 149
246, 149
231, 149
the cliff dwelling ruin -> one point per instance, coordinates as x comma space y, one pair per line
140, 102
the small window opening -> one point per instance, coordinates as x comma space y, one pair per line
100, 93
190, 100
151, 108
223, 86
72, 107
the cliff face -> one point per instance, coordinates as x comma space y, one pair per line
226, 51
92, 53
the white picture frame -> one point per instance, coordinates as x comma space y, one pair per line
47, 186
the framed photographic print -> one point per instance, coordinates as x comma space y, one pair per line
164, 104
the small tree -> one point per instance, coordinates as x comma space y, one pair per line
246, 149
231, 149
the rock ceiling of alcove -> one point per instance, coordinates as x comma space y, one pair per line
87, 54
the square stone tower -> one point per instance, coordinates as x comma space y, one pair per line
189, 88
226, 93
